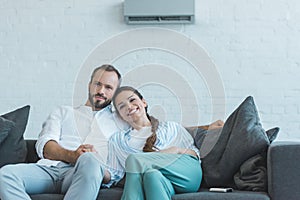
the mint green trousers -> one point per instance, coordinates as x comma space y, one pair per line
153, 176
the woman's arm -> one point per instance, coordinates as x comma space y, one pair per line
174, 138
106, 177
115, 164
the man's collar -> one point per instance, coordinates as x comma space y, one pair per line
107, 108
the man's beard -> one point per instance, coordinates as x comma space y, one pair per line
97, 105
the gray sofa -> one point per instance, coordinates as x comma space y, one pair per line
233, 150
282, 169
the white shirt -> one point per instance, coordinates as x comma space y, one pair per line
70, 127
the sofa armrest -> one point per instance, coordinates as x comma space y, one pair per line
283, 170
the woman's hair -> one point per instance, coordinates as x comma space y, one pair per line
149, 145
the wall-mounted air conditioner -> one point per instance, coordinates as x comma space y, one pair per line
159, 11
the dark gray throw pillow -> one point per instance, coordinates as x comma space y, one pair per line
252, 174
13, 149
5, 126
205, 139
241, 138
272, 133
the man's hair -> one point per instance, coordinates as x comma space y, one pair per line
107, 68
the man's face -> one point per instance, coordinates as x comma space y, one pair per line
102, 88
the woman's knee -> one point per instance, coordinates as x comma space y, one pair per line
156, 184
134, 163
152, 175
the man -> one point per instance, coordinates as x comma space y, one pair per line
72, 146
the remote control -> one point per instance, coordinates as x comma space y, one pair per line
220, 189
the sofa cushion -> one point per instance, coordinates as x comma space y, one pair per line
252, 175
235, 195
13, 148
283, 170
241, 138
5, 127
272, 133
206, 139
32, 155
47, 197
113, 193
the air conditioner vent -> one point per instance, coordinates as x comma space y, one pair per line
158, 11
159, 19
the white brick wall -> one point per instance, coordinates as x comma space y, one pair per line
254, 44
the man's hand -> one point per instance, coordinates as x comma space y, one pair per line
216, 125
178, 150
85, 148
173, 149
54, 151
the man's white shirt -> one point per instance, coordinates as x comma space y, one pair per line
70, 127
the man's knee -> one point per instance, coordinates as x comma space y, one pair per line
8, 176
2, 173
6, 171
89, 166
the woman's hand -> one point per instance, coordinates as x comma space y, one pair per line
174, 150
106, 177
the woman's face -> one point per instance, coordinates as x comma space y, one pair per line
130, 107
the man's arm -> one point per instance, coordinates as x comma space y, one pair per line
215, 125
178, 150
53, 151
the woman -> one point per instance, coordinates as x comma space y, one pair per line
159, 158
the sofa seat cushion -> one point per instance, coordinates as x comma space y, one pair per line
114, 193
235, 195
47, 197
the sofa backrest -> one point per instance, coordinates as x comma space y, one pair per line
32, 156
